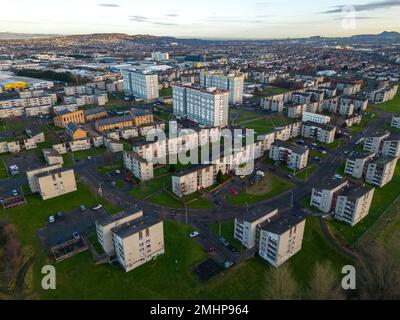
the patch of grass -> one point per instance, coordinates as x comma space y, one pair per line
383, 198
306, 172
278, 186
166, 92
227, 229
146, 188
201, 203
272, 91
3, 170
392, 106
166, 200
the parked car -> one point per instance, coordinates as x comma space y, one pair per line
234, 192
60, 215
228, 264
231, 248
52, 219
289, 176
89, 158
211, 250
194, 234
14, 193
118, 171
98, 207
224, 241
82, 208
76, 235
218, 203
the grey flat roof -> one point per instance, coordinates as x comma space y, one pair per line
331, 184
140, 112
323, 126
359, 155
113, 120
356, 193
252, 216
54, 171
134, 226
115, 217
92, 111
281, 223
294, 147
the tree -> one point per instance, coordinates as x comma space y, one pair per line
324, 284
220, 177
281, 284
379, 274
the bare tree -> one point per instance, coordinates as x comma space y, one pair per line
379, 274
281, 285
324, 284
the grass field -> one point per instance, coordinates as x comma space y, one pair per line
271, 91
166, 92
383, 198
305, 173
392, 106
268, 124
227, 231
278, 186
3, 170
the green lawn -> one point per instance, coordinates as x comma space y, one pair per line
278, 186
272, 91
305, 173
268, 124
3, 170
201, 204
166, 200
383, 198
166, 92
146, 188
392, 106
241, 115
227, 229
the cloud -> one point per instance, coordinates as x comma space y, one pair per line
172, 15
142, 19
375, 5
109, 5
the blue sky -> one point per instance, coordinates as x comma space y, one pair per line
202, 18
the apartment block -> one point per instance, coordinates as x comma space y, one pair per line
356, 163
246, 227
359, 103
281, 237
141, 85
113, 123
395, 122
320, 132
138, 241
295, 156
207, 107
95, 114
52, 157
51, 181
374, 144
315, 117
104, 228
138, 166
272, 104
391, 147
380, 171
141, 117
160, 56
75, 132
353, 204
234, 83
324, 196
65, 117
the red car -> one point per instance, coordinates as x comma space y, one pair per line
211, 250
234, 192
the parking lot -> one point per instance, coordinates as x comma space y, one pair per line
76, 221
25, 161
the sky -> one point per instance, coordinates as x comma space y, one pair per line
222, 19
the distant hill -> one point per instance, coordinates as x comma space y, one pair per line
21, 36
384, 36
